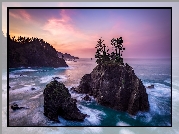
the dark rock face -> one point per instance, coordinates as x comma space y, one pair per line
151, 86
87, 98
58, 101
16, 107
116, 86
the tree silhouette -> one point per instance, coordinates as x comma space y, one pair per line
117, 43
102, 54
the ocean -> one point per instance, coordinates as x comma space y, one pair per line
150, 71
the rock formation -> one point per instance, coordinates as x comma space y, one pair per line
116, 86
58, 101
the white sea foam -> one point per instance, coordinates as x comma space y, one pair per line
12, 76
95, 115
59, 68
24, 70
37, 96
25, 89
159, 90
144, 116
121, 123
94, 118
50, 78
168, 81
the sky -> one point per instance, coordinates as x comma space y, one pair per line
146, 32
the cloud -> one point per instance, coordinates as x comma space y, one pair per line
65, 30
25, 15
20, 14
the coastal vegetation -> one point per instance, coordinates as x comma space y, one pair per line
32, 52
103, 55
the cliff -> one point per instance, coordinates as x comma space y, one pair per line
116, 86
33, 52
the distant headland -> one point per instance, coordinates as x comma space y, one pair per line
66, 56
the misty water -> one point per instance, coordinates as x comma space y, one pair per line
150, 71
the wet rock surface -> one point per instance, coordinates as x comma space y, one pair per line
87, 98
116, 86
58, 102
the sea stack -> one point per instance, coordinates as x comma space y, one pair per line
115, 85
58, 102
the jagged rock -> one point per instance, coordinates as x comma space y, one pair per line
58, 102
33, 88
116, 86
16, 107
151, 86
87, 98
74, 89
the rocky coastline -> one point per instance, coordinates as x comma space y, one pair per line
115, 86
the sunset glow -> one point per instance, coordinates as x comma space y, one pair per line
146, 32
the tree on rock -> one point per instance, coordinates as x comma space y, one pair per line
117, 43
102, 54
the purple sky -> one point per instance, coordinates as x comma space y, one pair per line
146, 32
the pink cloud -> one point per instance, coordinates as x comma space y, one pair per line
66, 32
20, 14
25, 15
14, 15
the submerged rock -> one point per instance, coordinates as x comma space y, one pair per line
116, 86
16, 107
87, 98
33, 88
58, 102
151, 86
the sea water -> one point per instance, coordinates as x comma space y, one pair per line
150, 71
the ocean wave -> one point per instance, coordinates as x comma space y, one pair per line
59, 68
161, 74
95, 115
93, 120
24, 89
37, 96
159, 90
168, 81
121, 123
49, 78
12, 76
25, 70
